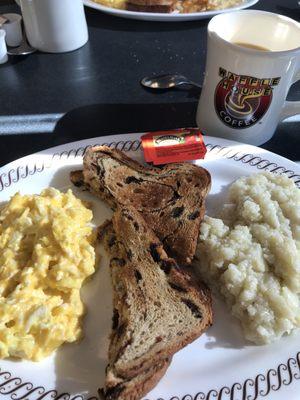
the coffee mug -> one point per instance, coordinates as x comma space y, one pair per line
253, 58
54, 26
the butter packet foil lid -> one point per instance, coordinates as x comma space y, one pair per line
165, 147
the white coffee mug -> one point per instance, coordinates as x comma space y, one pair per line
54, 26
245, 88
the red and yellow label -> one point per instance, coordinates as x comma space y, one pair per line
241, 100
178, 145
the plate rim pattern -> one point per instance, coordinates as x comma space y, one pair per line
252, 388
150, 16
19, 172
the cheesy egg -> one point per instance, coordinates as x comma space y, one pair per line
46, 253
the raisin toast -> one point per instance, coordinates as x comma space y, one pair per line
158, 308
171, 199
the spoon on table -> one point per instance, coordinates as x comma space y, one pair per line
167, 82
24, 49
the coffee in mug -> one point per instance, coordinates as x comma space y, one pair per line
253, 58
252, 46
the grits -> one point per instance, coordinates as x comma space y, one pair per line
252, 258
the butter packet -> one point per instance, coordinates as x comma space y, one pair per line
164, 147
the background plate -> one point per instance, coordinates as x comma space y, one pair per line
146, 16
219, 365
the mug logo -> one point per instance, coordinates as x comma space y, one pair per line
240, 100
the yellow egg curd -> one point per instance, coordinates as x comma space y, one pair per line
46, 253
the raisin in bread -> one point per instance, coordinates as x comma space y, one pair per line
158, 309
171, 199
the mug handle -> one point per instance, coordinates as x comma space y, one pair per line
291, 108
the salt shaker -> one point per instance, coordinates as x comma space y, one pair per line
54, 26
13, 29
3, 49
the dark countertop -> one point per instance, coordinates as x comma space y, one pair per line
49, 99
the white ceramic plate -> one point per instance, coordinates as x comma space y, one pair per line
220, 365
147, 16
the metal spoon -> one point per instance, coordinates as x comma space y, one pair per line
24, 49
167, 81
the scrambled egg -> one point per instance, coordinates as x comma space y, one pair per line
46, 252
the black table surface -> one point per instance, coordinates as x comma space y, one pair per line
50, 99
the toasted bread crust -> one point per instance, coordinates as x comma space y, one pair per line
171, 199
136, 387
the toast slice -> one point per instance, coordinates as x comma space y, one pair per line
155, 6
171, 199
164, 6
158, 309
